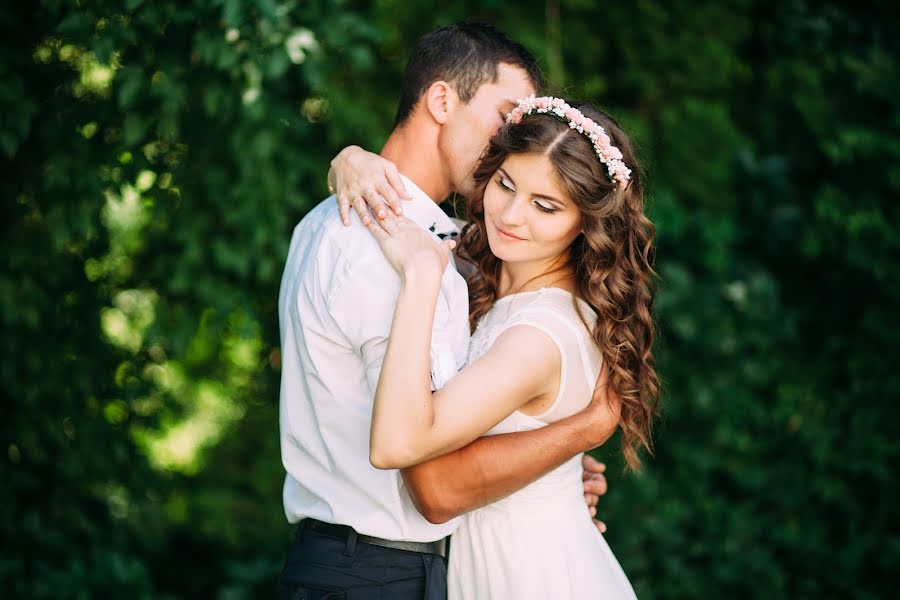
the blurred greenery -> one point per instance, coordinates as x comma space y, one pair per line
156, 155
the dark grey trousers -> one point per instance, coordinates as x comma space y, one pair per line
321, 567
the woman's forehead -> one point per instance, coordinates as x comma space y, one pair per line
535, 172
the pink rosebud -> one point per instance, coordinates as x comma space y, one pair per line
542, 103
602, 140
557, 102
572, 115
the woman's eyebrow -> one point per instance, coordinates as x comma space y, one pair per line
542, 196
550, 198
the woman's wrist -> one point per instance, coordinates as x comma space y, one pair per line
421, 273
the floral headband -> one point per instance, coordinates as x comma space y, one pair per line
557, 107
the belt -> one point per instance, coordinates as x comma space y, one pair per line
342, 532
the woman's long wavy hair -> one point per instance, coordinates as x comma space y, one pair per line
611, 259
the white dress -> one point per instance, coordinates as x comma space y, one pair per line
540, 542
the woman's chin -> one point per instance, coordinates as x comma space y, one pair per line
503, 251
497, 248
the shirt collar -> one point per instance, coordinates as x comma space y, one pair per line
425, 212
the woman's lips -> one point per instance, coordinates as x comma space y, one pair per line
507, 235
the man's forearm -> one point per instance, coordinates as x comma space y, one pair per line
493, 467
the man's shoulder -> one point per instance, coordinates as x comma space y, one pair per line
332, 241
321, 218
325, 220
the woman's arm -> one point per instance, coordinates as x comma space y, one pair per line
409, 424
492, 467
364, 179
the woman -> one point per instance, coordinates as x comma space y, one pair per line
562, 252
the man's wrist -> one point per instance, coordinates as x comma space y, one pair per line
588, 434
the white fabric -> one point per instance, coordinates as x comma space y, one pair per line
539, 542
336, 304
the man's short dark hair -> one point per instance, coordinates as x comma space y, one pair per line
465, 55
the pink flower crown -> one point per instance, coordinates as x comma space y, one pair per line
557, 107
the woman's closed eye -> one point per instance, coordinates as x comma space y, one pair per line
505, 184
545, 207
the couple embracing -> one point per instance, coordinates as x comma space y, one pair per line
416, 403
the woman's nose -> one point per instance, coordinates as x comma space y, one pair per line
513, 213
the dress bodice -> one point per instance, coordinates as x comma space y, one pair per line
555, 312
566, 321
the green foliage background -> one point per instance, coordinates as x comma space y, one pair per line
156, 155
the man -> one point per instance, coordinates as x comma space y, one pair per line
366, 532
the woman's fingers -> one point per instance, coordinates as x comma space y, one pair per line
393, 177
391, 223
362, 209
447, 247
362, 178
377, 231
373, 199
344, 208
389, 197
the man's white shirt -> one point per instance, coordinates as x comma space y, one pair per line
336, 304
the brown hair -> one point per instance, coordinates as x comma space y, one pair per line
464, 54
611, 260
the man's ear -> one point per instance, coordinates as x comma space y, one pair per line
440, 100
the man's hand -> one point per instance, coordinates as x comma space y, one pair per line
595, 485
603, 412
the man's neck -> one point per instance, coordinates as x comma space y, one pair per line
414, 150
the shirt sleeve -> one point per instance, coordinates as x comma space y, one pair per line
363, 307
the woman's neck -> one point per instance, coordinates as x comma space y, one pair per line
518, 277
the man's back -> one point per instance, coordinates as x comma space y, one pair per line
337, 299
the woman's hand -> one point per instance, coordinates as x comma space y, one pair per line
411, 250
364, 180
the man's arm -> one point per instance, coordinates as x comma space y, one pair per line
493, 467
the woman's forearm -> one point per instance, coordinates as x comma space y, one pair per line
403, 414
